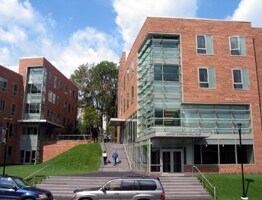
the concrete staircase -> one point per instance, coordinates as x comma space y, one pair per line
183, 188
177, 187
122, 166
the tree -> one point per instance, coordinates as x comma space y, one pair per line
97, 91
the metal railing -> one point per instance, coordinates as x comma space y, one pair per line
33, 175
204, 181
74, 137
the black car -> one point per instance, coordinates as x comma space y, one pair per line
13, 187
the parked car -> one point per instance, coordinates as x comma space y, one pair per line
13, 187
131, 188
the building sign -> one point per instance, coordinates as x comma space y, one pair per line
182, 134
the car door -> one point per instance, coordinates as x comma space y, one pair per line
7, 190
111, 190
129, 189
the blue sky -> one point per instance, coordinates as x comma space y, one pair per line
73, 32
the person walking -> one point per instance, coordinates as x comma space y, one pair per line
115, 157
105, 157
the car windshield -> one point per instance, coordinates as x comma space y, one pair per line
21, 182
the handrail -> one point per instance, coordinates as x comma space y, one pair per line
33, 174
203, 177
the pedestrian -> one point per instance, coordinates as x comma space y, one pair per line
105, 157
115, 157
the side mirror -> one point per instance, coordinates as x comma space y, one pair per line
104, 189
14, 188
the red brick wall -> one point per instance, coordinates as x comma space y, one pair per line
222, 61
10, 98
51, 149
69, 115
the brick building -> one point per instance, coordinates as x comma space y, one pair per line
186, 90
37, 104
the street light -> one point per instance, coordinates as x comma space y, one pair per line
244, 196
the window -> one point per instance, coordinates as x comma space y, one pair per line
147, 185
166, 72
13, 111
32, 108
3, 84
237, 45
205, 44
34, 88
2, 105
167, 117
132, 94
206, 77
15, 89
240, 79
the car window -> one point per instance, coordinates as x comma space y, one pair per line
6, 183
147, 185
129, 185
21, 182
113, 185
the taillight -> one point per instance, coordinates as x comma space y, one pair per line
162, 196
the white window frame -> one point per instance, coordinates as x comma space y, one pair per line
201, 82
205, 48
234, 83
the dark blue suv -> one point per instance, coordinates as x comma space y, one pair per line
13, 187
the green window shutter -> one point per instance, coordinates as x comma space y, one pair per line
242, 46
209, 42
211, 77
245, 79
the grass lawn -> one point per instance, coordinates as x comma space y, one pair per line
229, 187
81, 159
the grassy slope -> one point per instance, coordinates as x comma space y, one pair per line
81, 159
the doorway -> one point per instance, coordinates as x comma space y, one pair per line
172, 161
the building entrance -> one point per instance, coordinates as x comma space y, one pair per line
172, 161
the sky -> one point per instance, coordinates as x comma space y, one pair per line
69, 33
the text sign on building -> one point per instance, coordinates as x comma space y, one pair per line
183, 134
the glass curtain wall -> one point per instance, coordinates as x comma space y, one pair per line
159, 88
35, 93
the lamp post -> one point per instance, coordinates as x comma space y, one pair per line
244, 196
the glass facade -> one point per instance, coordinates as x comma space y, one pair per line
35, 93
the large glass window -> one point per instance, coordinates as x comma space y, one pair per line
227, 154
167, 117
32, 108
34, 88
166, 72
237, 45
36, 74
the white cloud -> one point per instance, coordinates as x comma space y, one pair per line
249, 10
24, 33
86, 46
131, 14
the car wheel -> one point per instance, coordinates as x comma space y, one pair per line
86, 199
28, 198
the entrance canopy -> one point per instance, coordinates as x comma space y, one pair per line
116, 122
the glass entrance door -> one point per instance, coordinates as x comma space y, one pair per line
172, 161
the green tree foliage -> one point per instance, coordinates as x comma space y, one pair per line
97, 92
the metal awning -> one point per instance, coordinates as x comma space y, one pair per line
39, 121
116, 122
